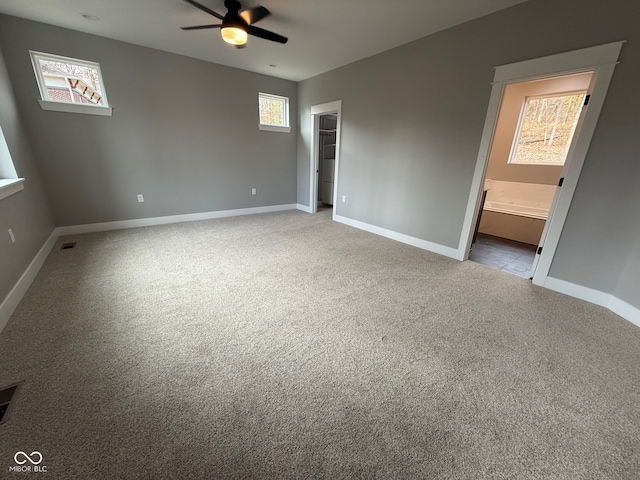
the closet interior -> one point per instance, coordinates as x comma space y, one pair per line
327, 159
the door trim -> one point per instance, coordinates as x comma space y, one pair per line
601, 60
316, 112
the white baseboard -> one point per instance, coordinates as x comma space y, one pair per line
12, 300
304, 208
578, 291
9, 304
617, 306
189, 217
400, 237
625, 310
611, 302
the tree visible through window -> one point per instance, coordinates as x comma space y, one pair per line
68, 80
546, 129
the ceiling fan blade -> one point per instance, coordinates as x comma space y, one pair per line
254, 15
266, 34
205, 9
201, 27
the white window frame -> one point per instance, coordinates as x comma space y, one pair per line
9, 181
286, 128
52, 105
523, 112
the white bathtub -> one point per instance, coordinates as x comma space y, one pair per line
516, 210
520, 210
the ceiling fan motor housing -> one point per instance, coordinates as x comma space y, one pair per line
232, 6
236, 25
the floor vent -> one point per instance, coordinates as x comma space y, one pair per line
7, 396
66, 246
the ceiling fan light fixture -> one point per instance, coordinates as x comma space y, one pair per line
237, 25
234, 35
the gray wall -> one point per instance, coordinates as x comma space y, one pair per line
629, 284
602, 228
402, 164
27, 212
184, 132
413, 118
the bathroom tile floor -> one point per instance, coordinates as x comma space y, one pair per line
503, 254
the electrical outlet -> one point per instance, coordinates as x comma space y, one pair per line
344, 199
12, 236
253, 191
140, 198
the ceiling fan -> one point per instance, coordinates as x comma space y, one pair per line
237, 25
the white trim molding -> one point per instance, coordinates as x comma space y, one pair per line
606, 300
600, 60
610, 302
12, 300
274, 128
304, 208
400, 237
9, 304
583, 59
9, 186
188, 217
75, 108
625, 310
46, 103
316, 110
328, 107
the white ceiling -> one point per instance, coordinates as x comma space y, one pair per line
323, 34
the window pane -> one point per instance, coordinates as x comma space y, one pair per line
272, 111
546, 129
68, 80
88, 75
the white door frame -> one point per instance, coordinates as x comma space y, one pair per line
601, 60
316, 112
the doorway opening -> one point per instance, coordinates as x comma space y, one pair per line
327, 130
536, 124
600, 61
325, 156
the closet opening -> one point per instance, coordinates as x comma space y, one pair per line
325, 157
327, 133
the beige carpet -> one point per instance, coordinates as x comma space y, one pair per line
288, 346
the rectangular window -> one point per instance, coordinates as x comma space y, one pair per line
70, 85
546, 128
274, 112
9, 181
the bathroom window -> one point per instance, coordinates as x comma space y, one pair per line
546, 127
69, 85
